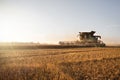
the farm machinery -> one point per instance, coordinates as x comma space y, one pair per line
86, 39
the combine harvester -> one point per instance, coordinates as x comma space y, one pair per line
87, 39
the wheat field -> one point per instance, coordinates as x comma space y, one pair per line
94, 63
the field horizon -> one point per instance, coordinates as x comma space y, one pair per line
42, 45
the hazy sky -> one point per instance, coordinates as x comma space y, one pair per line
51, 21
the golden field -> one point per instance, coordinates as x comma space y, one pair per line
94, 63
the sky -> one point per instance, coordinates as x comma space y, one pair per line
51, 21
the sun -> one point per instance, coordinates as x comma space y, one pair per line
8, 34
